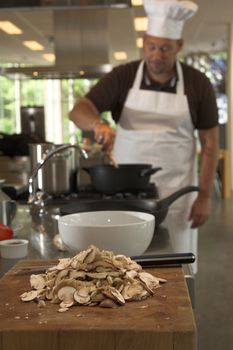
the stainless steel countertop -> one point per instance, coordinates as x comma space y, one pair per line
41, 227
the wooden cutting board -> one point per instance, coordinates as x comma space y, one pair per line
162, 322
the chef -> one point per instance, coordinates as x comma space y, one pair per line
159, 106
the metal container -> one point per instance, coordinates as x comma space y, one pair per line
59, 175
7, 207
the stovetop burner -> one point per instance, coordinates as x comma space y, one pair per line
87, 193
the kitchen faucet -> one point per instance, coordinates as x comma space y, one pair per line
46, 157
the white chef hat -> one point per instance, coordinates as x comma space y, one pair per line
166, 18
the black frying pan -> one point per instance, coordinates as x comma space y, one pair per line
158, 207
106, 178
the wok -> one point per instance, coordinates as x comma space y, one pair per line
158, 207
106, 178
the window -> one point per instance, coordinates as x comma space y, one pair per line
56, 96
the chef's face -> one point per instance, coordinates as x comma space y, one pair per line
160, 54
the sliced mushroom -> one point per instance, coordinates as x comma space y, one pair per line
64, 283
100, 266
37, 281
125, 262
49, 294
66, 304
114, 294
162, 280
50, 283
117, 295
60, 275
108, 303
97, 296
90, 257
148, 280
66, 295
97, 275
109, 280
63, 263
41, 304
132, 291
28, 296
63, 309
52, 269
82, 296
80, 257
77, 274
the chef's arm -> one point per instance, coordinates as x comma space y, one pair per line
209, 141
209, 157
86, 116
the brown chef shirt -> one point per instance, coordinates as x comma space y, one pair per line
110, 93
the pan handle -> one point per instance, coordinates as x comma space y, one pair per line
86, 169
164, 259
150, 171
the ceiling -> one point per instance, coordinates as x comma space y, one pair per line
85, 37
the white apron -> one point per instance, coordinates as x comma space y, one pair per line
156, 128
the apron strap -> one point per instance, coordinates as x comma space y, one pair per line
180, 82
139, 75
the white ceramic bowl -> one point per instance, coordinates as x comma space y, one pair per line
123, 232
14, 248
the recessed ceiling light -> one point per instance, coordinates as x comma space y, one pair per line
49, 57
33, 45
140, 24
10, 28
120, 55
139, 43
136, 2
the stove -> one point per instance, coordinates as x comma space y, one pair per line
88, 192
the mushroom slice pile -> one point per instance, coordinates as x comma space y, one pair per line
92, 277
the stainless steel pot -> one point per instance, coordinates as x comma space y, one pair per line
56, 167
8, 207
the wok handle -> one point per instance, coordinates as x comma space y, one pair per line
165, 202
150, 171
164, 259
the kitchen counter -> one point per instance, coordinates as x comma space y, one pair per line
41, 230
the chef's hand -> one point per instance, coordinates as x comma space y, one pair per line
104, 135
200, 211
